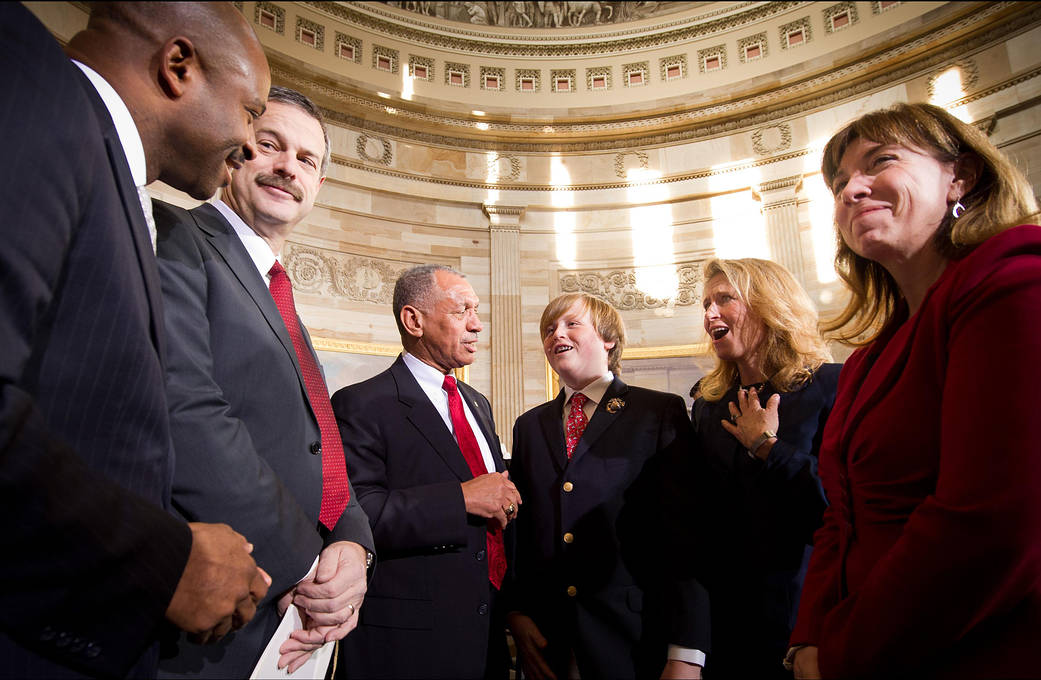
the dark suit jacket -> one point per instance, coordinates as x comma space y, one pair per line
428, 610
247, 442
91, 557
615, 619
929, 561
755, 524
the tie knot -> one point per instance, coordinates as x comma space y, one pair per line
276, 269
579, 400
449, 384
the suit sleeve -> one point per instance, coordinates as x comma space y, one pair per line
421, 517
822, 583
791, 471
971, 550
787, 461
353, 524
516, 588
675, 476
72, 539
219, 475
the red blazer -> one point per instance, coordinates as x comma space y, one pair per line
929, 560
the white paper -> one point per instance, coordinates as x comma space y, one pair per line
314, 669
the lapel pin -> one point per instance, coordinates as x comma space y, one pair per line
615, 405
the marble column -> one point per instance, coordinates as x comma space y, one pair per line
507, 395
781, 212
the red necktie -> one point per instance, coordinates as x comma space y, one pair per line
335, 492
576, 421
464, 434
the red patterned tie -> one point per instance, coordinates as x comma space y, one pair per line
464, 434
576, 421
335, 492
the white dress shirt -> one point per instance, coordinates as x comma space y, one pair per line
594, 393
259, 250
129, 137
431, 380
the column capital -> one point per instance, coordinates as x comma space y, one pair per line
503, 216
783, 184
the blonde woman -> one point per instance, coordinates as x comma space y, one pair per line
929, 561
758, 424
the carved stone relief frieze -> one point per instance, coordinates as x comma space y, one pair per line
619, 286
540, 14
331, 273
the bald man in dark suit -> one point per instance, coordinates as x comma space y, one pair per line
94, 564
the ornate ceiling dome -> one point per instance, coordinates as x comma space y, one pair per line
537, 76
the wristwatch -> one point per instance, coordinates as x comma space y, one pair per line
766, 436
789, 658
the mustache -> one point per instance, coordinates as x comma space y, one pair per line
282, 183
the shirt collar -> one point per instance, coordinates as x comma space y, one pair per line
425, 374
258, 249
594, 391
126, 129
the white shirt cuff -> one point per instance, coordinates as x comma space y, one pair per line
694, 656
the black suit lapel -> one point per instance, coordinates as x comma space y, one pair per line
132, 207
551, 422
484, 421
422, 414
602, 418
227, 243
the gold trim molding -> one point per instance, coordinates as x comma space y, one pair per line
372, 349
351, 347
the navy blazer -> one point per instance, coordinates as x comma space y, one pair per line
755, 521
603, 593
429, 610
247, 441
92, 558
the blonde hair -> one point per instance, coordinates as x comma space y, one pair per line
606, 320
792, 347
1000, 198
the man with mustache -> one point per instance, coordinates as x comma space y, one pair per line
424, 455
256, 441
94, 563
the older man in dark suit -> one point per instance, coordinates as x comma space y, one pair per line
254, 433
93, 562
423, 454
591, 582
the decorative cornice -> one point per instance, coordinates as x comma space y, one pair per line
487, 186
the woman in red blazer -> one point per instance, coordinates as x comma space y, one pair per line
929, 560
